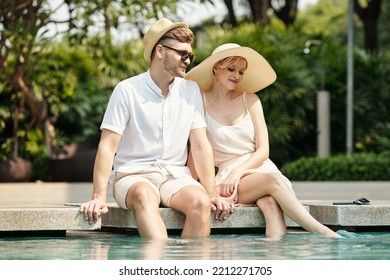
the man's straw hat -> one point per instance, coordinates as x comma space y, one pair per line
156, 31
258, 75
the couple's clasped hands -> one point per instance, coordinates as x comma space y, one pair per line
221, 208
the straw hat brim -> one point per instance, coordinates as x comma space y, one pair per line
258, 75
157, 36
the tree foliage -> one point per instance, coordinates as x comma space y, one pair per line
54, 89
368, 11
25, 26
285, 10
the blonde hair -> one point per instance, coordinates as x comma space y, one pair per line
227, 61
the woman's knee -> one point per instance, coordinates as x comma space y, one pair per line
268, 204
275, 182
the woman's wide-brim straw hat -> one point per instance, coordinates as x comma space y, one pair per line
258, 75
156, 31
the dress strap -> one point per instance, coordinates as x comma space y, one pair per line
244, 100
204, 105
204, 100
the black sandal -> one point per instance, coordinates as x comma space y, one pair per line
360, 201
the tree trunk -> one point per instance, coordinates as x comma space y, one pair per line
232, 16
371, 43
38, 111
287, 13
15, 128
108, 22
369, 15
259, 10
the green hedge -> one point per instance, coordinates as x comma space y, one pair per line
359, 167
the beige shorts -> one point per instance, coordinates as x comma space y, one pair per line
159, 179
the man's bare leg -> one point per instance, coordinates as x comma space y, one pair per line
194, 203
145, 202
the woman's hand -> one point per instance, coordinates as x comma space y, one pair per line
228, 185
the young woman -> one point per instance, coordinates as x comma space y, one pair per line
237, 131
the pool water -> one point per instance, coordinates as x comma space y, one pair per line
114, 246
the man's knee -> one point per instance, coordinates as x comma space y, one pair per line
203, 203
199, 205
141, 195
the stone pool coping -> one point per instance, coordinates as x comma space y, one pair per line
68, 217
31, 207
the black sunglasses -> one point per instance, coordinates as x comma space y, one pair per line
184, 55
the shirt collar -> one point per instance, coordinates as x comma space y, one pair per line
152, 85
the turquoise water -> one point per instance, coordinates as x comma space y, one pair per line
293, 246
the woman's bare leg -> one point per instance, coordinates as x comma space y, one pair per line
257, 185
275, 225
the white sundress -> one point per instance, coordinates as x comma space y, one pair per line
233, 145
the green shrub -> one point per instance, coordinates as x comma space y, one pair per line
359, 167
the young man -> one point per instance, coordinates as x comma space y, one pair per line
145, 130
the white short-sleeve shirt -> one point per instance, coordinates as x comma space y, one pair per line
154, 130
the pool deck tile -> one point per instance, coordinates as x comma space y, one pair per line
375, 214
44, 219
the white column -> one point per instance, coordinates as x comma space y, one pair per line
323, 123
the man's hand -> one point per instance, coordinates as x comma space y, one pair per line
222, 208
93, 210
